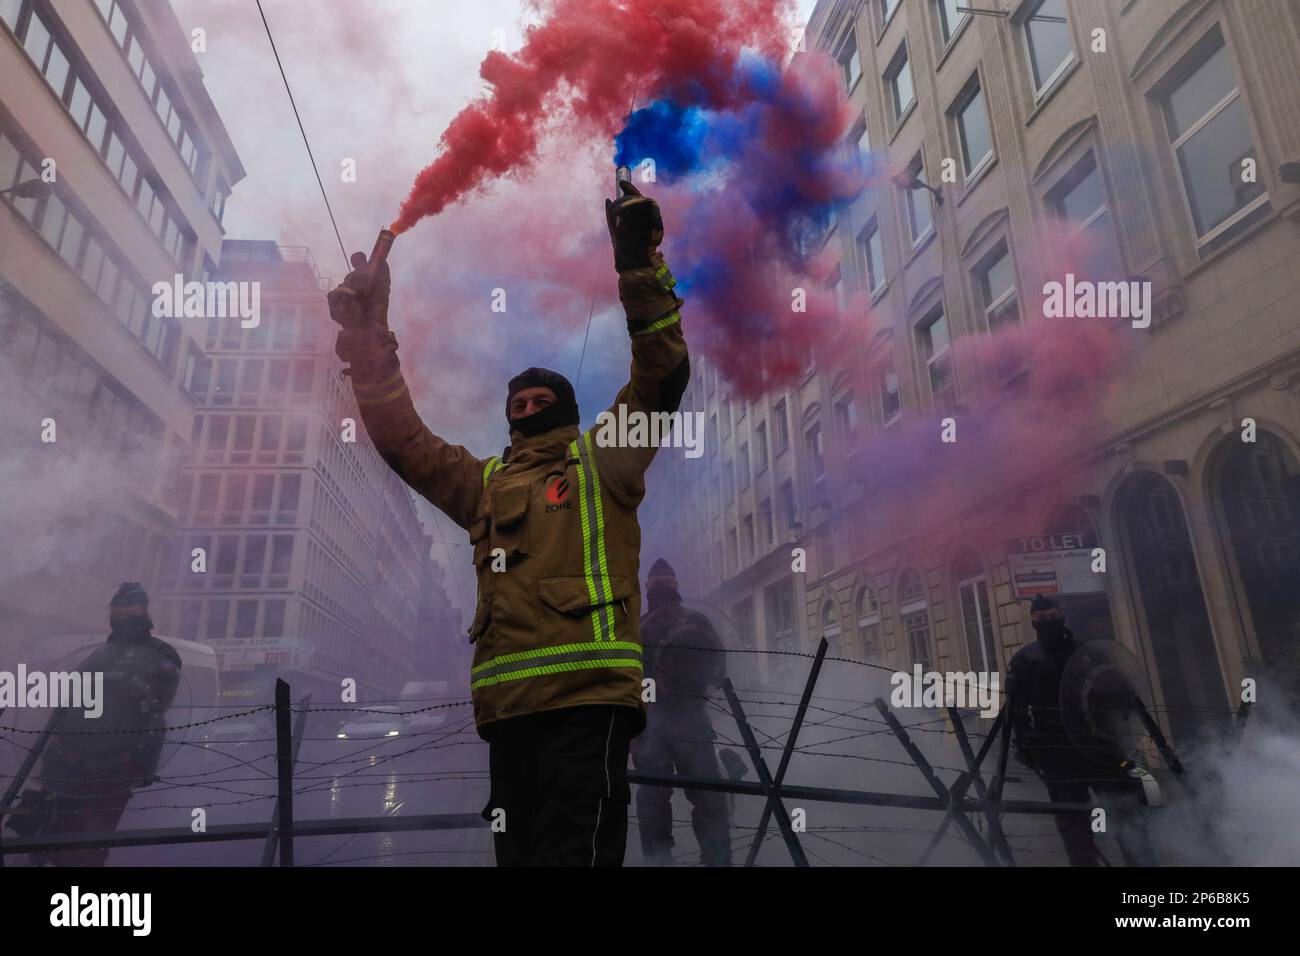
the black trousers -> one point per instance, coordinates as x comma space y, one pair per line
559, 786
1122, 793
686, 750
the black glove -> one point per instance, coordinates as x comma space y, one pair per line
360, 305
645, 283
636, 228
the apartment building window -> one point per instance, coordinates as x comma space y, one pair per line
273, 623
891, 399
748, 526
825, 550
995, 282
868, 613
218, 620
742, 612
779, 599
813, 447
769, 529
920, 214
973, 128
1210, 135
850, 60
46, 54
950, 18
1080, 199
742, 457
935, 347
281, 560
866, 162
977, 619
245, 619
219, 195
832, 629
1047, 38
9, 11
725, 408
782, 426
846, 417
733, 554
870, 249
835, 286
713, 434
887, 9
898, 78
760, 443
914, 609
789, 509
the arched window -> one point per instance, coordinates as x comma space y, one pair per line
832, 629
914, 609
976, 616
868, 614
1257, 487
1158, 550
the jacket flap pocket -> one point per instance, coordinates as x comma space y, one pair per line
478, 538
509, 506
569, 593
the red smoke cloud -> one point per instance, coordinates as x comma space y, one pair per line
581, 66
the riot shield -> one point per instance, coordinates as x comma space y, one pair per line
123, 742
1099, 685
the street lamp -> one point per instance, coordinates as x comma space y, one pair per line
30, 189
909, 181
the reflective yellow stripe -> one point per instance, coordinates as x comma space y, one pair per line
367, 402
546, 669
492, 465
556, 651
667, 320
584, 517
607, 595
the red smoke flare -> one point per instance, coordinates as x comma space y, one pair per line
580, 66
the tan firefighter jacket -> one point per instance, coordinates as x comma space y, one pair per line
553, 526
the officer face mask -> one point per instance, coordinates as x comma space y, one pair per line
1051, 632
660, 594
131, 627
554, 415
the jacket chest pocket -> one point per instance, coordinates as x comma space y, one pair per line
508, 523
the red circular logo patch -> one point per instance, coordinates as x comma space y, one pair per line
557, 490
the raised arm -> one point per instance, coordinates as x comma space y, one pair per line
447, 475
660, 365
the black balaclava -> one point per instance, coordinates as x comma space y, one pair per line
128, 612
564, 411
1051, 632
661, 586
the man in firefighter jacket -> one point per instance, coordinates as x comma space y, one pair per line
557, 669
